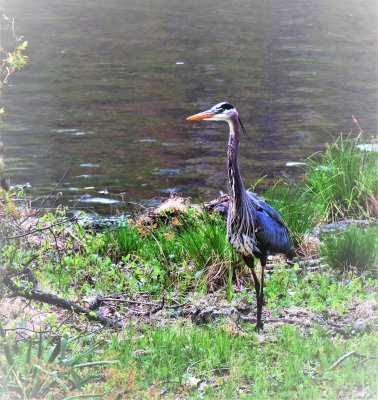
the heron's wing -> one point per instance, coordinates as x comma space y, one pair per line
271, 231
260, 204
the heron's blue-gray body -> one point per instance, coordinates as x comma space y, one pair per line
266, 234
253, 227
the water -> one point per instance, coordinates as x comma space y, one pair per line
108, 86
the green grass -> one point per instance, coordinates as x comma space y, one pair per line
183, 252
319, 290
286, 365
355, 248
122, 241
342, 180
204, 241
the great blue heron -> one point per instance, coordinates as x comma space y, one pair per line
254, 228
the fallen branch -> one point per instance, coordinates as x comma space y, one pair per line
347, 355
278, 320
32, 278
48, 298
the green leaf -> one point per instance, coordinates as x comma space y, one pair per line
5, 381
63, 348
84, 396
92, 363
55, 352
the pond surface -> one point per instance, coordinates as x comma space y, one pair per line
108, 86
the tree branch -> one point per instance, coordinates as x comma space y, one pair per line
48, 298
63, 221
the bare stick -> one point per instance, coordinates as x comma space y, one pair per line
344, 357
155, 310
54, 188
108, 298
41, 229
365, 359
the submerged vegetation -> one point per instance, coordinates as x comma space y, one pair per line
186, 300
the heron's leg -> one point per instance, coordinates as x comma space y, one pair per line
251, 264
263, 265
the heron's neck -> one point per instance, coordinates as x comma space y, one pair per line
236, 188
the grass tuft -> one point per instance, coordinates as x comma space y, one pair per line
343, 181
354, 248
204, 241
124, 240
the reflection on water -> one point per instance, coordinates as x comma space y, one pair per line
109, 85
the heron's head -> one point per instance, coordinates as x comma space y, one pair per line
220, 112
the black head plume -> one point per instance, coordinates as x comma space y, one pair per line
227, 106
242, 127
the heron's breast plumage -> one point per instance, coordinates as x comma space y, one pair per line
244, 244
241, 230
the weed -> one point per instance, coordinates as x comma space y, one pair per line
319, 290
36, 369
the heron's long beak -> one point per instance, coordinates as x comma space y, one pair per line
201, 115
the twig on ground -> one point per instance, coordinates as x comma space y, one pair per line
365, 359
108, 298
155, 310
347, 355
48, 298
277, 320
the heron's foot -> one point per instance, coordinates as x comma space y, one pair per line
259, 327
